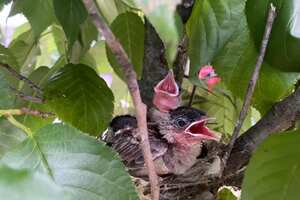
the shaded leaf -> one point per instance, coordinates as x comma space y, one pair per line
129, 29
71, 14
7, 97
235, 64
38, 76
79, 96
209, 28
284, 45
79, 164
25, 185
7, 57
273, 172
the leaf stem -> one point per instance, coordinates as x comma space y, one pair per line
19, 125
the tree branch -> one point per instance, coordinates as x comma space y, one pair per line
140, 107
26, 111
25, 97
252, 83
279, 118
14, 73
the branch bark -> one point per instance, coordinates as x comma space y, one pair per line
252, 82
279, 118
131, 80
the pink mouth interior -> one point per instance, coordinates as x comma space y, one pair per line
200, 130
168, 85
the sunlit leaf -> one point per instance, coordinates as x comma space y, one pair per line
78, 163
273, 172
25, 185
39, 13
166, 21
209, 28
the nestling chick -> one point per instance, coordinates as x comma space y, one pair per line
175, 140
176, 133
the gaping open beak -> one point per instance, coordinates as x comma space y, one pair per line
198, 129
167, 86
166, 94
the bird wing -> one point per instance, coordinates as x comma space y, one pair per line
126, 142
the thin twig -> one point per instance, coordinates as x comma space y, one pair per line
192, 96
14, 73
26, 111
252, 83
25, 97
131, 80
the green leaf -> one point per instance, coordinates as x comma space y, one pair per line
81, 165
209, 28
59, 38
165, 20
284, 43
89, 33
7, 57
273, 172
38, 12
7, 97
25, 49
25, 185
71, 14
223, 106
235, 64
226, 194
79, 96
108, 9
38, 76
129, 29
10, 136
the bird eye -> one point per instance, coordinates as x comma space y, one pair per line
181, 122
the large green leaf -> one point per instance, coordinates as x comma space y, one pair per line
273, 172
235, 64
71, 14
10, 136
39, 13
209, 28
164, 18
284, 45
129, 29
79, 96
81, 165
223, 107
25, 185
